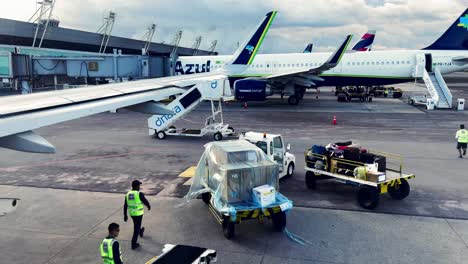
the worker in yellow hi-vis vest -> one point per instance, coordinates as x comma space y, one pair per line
110, 247
462, 140
134, 201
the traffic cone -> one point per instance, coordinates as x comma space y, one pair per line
334, 120
245, 105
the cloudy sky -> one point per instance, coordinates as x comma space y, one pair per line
399, 23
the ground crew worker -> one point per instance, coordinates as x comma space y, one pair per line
386, 93
110, 247
462, 140
134, 201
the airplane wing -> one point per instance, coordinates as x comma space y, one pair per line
21, 114
311, 74
460, 60
8, 205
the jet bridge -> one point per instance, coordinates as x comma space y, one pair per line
216, 91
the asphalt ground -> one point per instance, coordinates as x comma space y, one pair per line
101, 154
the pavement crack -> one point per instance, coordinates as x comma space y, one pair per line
458, 235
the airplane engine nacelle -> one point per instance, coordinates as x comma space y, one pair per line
251, 90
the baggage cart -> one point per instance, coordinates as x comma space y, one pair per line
370, 185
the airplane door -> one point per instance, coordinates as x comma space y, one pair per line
428, 57
420, 65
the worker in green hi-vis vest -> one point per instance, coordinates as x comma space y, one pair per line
462, 140
110, 247
134, 204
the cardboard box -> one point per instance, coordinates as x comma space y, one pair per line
374, 177
264, 195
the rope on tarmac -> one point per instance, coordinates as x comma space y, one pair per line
296, 238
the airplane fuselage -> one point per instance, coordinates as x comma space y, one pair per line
358, 68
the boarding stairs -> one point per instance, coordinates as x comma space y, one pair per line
209, 90
438, 89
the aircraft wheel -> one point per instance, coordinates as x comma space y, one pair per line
293, 100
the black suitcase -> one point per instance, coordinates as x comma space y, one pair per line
367, 158
344, 144
382, 161
351, 154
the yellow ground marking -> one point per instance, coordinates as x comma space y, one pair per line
188, 173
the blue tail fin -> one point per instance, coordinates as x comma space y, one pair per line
455, 38
247, 51
308, 49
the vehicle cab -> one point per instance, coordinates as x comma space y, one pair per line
275, 148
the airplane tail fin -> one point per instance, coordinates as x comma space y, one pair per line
455, 38
365, 44
247, 51
308, 49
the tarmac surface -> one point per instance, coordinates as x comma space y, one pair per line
69, 198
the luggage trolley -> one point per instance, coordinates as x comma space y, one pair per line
364, 174
247, 211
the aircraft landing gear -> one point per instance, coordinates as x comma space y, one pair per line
293, 100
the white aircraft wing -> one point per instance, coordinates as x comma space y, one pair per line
311, 75
8, 205
22, 113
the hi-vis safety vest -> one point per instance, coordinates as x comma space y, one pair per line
135, 206
462, 136
106, 251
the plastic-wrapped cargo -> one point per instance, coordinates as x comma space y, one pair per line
230, 170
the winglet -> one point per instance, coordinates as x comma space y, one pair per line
247, 51
335, 58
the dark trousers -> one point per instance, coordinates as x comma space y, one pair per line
136, 228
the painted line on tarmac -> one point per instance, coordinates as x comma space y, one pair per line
189, 172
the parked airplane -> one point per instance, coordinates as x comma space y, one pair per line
446, 55
364, 44
21, 114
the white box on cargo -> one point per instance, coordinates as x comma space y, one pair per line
264, 195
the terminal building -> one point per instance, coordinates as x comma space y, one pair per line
74, 57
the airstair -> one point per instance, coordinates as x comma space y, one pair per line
216, 91
439, 93
438, 89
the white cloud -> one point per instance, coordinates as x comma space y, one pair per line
399, 23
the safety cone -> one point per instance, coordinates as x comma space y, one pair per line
245, 105
334, 120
